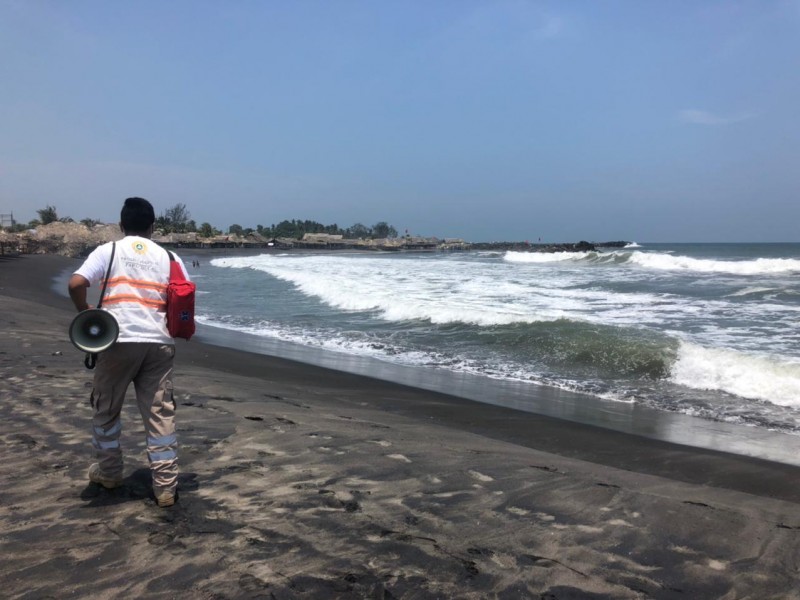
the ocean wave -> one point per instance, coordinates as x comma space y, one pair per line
661, 261
545, 257
331, 340
402, 291
584, 353
452, 291
759, 266
624, 324
766, 378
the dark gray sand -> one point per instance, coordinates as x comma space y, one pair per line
300, 482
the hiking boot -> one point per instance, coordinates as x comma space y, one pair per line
165, 499
96, 476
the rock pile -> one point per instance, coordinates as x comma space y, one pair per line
66, 239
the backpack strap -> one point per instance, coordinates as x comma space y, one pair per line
175, 270
108, 274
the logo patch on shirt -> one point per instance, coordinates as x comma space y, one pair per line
139, 248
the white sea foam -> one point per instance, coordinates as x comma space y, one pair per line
759, 266
749, 376
487, 292
448, 291
545, 257
662, 261
739, 332
752, 291
632, 245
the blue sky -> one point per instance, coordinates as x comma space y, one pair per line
491, 120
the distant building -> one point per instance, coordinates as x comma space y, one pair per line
321, 238
7, 220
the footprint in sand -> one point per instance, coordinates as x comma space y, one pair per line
159, 538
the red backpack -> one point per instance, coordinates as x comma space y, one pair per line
180, 301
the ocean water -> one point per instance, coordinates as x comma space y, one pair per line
708, 330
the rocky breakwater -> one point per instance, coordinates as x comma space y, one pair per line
581, 246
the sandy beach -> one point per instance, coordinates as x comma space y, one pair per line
302, 482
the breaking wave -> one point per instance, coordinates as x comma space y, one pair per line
759, 266
663, 262
754, 377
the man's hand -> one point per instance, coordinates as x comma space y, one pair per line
78, 284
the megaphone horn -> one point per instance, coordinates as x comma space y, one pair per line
94, 330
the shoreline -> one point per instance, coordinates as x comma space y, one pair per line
542, 400
577, 407
304, 482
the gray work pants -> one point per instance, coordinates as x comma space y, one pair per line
149, 367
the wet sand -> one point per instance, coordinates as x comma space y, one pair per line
303, 482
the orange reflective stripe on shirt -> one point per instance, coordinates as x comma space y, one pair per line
120, 298
138, 283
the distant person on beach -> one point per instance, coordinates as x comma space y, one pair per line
136, 295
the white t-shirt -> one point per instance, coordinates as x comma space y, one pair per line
137, 287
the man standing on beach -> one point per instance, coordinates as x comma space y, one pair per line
136, 295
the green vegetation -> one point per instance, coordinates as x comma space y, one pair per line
177, 219
206, 230
297, 229
47, 215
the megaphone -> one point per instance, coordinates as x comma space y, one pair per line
94, 330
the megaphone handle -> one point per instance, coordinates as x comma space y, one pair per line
90, 360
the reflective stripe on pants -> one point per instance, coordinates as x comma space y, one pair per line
149, 368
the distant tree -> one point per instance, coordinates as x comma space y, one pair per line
174, 219
89, 222
206, 230
178, 214
288, 229
191, 225
67, 220
297, 228
235, 229
383, 230
47, 215
358, 231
